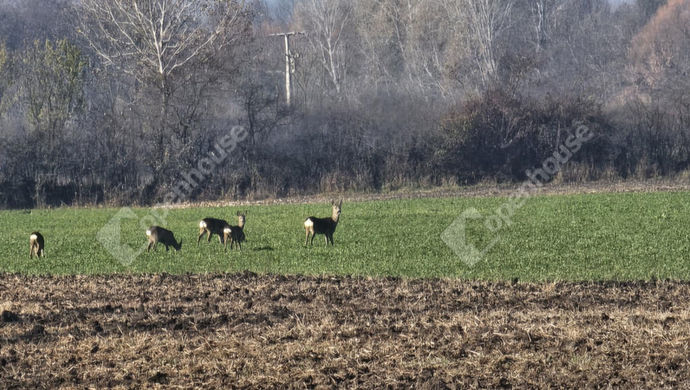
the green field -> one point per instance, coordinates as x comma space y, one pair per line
564, 237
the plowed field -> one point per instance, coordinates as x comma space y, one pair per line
249, 330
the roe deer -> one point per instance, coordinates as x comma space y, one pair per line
237, 232
213, 226
157, 234
36, 245
325, 226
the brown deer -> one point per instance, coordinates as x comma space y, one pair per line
236, 234
36, 245
158, 234
211, 226
325, 226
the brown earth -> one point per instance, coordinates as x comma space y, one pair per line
266, 331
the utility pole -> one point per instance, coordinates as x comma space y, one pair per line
289, 63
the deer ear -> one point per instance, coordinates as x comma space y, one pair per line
341, 203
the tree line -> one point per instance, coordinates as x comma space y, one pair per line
109, 102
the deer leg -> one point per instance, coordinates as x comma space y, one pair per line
201, 234
312, 238
306, 242
166, 247
148, 248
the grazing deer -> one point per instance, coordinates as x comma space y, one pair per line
36, 245
325, 226
236, 233
213, 226
157, 234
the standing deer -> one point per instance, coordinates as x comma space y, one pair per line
36, 245
236, 235
325, 226
158, 234
211, 226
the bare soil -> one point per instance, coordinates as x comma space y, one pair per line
267, 331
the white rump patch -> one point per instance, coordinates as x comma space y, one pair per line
227, 230
202, 224
33, 237
148, 232
308, 223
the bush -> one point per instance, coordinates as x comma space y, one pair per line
500, 136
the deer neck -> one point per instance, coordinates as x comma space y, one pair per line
335, 217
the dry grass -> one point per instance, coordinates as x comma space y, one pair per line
247, 330
489, 189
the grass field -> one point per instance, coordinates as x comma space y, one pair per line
565, 237
143, 328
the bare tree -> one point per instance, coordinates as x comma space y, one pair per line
661, 51
327, 22
172, 48
3, 71
154, 40
45, 98
487, 20
403, 43
541, 12
158, 37
477, 27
